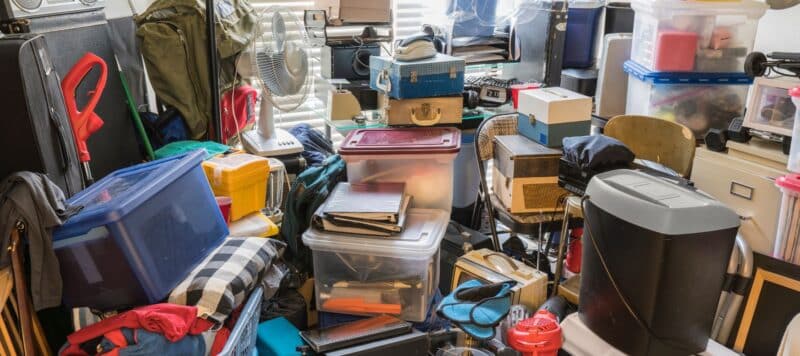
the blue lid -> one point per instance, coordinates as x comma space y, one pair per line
646, 75
117, 194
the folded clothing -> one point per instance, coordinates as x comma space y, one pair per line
172, 321
222, 282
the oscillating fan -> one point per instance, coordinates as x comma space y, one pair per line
279, 59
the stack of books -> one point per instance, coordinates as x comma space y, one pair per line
373, 209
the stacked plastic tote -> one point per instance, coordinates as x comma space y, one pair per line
687, 60
399, 275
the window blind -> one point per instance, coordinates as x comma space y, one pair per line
408, 17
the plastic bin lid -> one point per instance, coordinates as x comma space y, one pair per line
790, 181
117, 194
751, 8
646, 75
421, 237
658, 205
412, 140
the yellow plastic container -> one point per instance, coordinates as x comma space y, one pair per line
243, 178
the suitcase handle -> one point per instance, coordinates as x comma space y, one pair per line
428, 117
84, 122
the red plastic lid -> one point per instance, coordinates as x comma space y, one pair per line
794, 92
411, 140
791, 181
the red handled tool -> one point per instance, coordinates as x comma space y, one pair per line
84, 122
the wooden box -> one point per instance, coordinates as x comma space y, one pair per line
525, 175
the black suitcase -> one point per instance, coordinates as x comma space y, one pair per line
537, 42
35, 132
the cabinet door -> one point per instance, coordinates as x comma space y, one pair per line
747, 188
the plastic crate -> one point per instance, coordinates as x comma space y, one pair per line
141, 231
694, 36
242, 341
699, 101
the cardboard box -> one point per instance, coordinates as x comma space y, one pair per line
525, 175
357, 11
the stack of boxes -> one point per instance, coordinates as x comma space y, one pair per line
426, 92
365, 275
525, 176
687, 60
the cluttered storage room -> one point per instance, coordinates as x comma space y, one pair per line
400, 177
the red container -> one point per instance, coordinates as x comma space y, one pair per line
224, 204
675, 51
539, 335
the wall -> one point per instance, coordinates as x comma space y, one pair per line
778, 31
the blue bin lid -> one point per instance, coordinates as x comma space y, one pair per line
646, 75
117, 194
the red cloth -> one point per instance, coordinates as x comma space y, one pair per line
171, 320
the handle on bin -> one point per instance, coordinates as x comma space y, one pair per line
428, 117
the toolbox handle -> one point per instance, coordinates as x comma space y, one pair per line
382, 82
428, 117
510, 261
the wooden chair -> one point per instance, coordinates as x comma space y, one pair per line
20, 330
529, 224
657, 140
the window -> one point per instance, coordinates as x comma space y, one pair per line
408, 16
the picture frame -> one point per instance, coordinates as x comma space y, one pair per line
772, 302
770, 107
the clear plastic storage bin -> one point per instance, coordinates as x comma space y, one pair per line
699, 101
364, 275
699, 36
141, 231
422, 158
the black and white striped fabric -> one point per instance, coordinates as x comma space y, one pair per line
224, 279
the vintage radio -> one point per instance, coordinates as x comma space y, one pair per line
525, 175
15, 10
347, 62
491, 267
424, 111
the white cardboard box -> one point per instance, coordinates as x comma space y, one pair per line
357, 11
555, 105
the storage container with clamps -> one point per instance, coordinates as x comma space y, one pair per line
243, 178
141, 231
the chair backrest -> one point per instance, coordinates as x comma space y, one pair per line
504, 124
654, 139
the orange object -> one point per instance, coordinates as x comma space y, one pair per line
84, 122
359, 305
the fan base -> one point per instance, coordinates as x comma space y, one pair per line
280, 144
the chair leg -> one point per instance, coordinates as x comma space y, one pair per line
560, 259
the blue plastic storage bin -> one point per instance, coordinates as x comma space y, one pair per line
141, 231
242, 341
582, 23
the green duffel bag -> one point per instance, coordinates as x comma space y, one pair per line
173, 42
